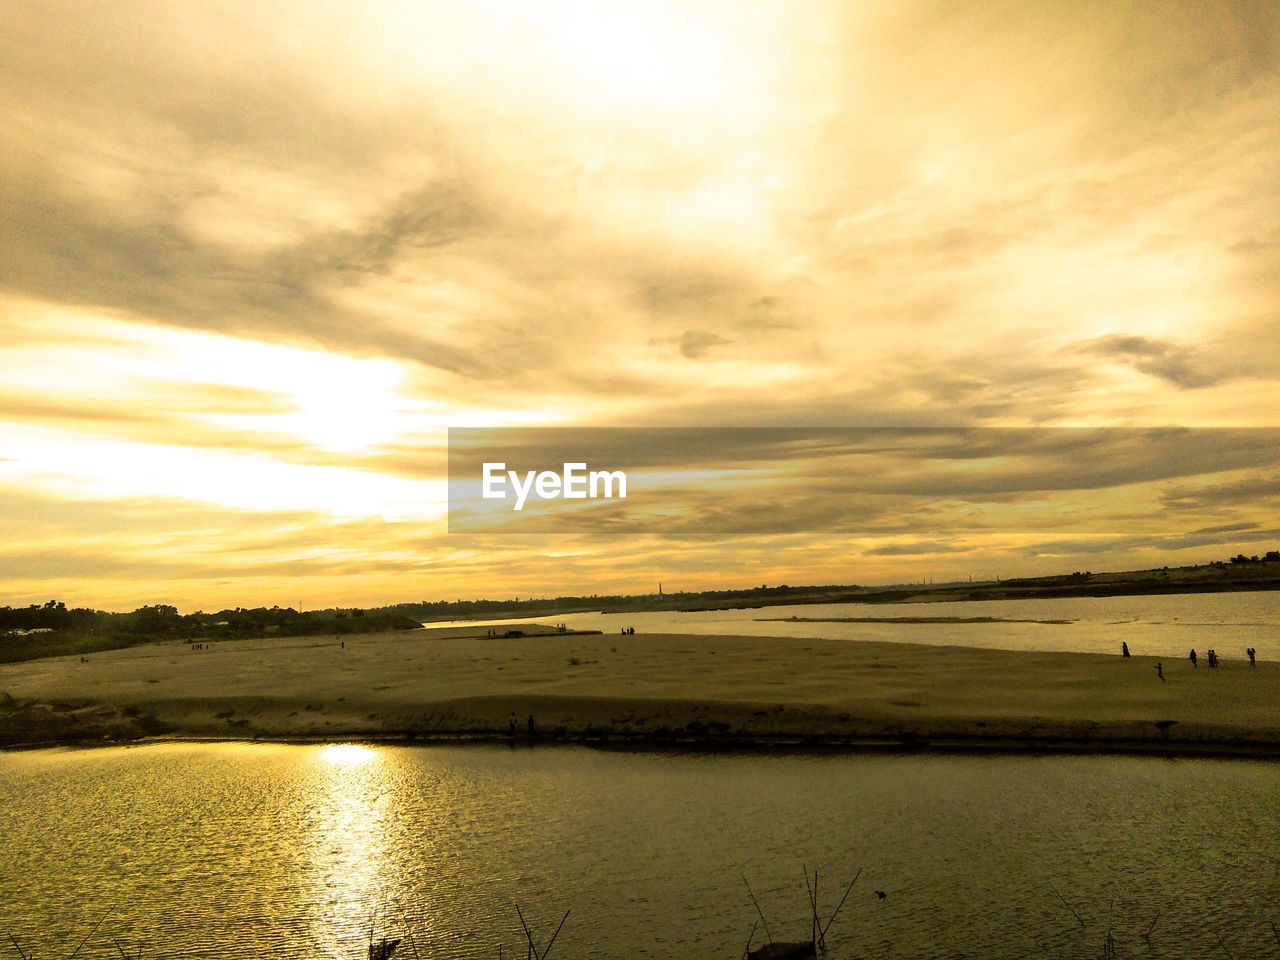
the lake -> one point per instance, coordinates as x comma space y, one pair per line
296, 851
1163, 626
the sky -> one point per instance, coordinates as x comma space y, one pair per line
258, 257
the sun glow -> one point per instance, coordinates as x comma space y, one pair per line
257, 265
347, 754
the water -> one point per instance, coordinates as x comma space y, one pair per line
240, 850
1163, 626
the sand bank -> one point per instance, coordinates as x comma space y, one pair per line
667, 688
906, 620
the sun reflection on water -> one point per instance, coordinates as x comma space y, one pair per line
349, 843
347, 754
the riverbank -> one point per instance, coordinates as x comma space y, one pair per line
664, 689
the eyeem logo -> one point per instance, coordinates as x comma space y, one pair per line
574, 482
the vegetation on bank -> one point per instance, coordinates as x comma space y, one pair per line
1239, 573
53, 629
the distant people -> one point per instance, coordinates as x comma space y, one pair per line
1192, 657
1253, 656
342, 645
1124, 650
1160, 671
511, 725
531, 728
1213, 659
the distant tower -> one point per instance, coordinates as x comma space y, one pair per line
659, 588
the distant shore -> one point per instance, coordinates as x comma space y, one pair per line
648, 690
1218, 577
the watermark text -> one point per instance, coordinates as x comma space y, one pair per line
573, 482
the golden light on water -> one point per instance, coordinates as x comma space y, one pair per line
347, 754
348, 834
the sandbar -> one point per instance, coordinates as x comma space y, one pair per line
646, 689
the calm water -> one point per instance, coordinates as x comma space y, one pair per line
1156, 626
226, 851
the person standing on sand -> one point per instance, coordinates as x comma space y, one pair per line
1192, 657
1160, 671
511, 725
1253, 656
1124, 650
1213, 659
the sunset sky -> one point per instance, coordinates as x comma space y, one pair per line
257, 257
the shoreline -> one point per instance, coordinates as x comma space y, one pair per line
800, 745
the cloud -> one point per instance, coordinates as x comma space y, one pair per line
1179, 365
915, 549
1156, 544
674, 215
1245, 491
903, 483
693, 344
697, 344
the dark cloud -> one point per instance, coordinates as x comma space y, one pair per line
1121, 544
916, 549
693, 344
67, 250
1179, 365
697, 344
1248, 491
1018, 458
